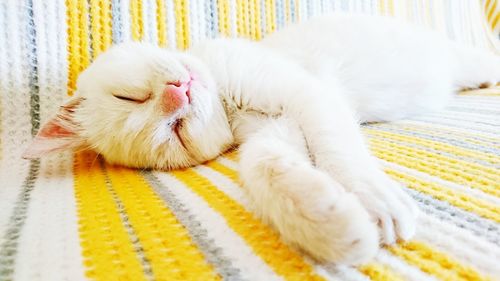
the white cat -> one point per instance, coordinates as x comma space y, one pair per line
293, 102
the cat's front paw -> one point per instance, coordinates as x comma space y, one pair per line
394, 210
316, 214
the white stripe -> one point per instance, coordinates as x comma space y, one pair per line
345, 273
49, 246
232, 245
60, 59
194, 23
303, 10
405, 270
459, 244
226, 185
171, 36
232, 19
228, 163
470, 116
15, 117
149, 20
125, 17
202, 19
50, 56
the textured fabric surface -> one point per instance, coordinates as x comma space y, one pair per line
73, 217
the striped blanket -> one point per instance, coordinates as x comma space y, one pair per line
74, 217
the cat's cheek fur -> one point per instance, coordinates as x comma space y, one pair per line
308, 208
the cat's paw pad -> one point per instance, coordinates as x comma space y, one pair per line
354, 237
394, 210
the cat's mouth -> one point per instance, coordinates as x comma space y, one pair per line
176, 127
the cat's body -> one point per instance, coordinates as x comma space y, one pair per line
293, 103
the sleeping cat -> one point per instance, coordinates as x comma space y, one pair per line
293, 102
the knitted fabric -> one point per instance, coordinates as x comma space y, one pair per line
74, 217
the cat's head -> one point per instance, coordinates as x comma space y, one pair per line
140, 106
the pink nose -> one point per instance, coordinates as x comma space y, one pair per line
175, 96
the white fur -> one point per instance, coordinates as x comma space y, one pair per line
293, 102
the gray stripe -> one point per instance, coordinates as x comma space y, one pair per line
459, 122
453, 124
33, 75
136, 243
484, 120
211, 19
479, 226
212, 253
8, 249
450, 130
116, 21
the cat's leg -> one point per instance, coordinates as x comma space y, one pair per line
337, 147
307, 206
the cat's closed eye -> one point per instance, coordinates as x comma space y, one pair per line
133, 99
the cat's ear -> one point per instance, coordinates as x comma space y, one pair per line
59, 133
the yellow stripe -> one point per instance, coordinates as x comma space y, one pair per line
185, 22
78, 36
161, 23
264, 241
487, 6
268, 16
95, 27
454, 197
391, 7
73, 43
182, 23
492, 10
232, 155
239, 17
454, 170
251, 19
257, 23
378, 272
273, 15
107, 33
228, 172
223, 16
136, 19
381, 7
434, 262
246, 19
166, 243
495, 21
487, 157
179, 25
447, 133
106, 246
100, 22
287, 11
